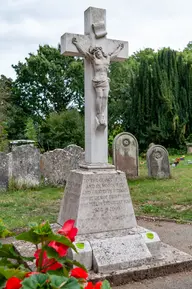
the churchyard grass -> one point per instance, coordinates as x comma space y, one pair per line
18, 208
167, 198
171, 198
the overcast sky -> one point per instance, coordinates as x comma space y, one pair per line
24, 24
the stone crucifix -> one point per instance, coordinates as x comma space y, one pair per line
98, 52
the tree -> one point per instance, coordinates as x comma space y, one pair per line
48, 82
62, 129
30, 131
5, 93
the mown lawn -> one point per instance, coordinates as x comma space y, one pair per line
171, 198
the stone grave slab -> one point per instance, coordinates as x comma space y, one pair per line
126, 154
119, 253
4, 179
25, 169
158, 162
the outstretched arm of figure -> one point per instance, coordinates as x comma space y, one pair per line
81, 49
116, 51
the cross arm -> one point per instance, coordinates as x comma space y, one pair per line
69, 49
113, 49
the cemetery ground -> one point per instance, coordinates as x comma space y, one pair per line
170, 198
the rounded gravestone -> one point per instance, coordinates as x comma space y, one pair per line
125, 154
158, 162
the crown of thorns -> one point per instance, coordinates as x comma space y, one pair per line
95, 49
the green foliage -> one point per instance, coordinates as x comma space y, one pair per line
3, 138
155, 102
47, 82
30, 131
53, 269
4, 232
150, 96
5, 94
62, 129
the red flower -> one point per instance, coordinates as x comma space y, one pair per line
47, 263
98, 285
68, 230
78, 273
59, 248
91, 286
13, 283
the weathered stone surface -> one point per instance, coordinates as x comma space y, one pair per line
119, 253
25, 169
57, 164
84, 256
96, 133
158, 162
125, 154
16, 143
99, 201
78, 155
189, 148
4, 160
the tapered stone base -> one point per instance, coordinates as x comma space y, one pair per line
100, 202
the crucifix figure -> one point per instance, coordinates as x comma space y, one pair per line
100, 62
98, 52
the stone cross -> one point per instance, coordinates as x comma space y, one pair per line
98, 52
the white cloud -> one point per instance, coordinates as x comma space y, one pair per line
24, 24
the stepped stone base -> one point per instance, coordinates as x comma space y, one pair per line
100, 202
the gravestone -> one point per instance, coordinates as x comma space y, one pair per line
56, 165
158, 162
78, 155
15, 143
4, 160
25, 168
125, 154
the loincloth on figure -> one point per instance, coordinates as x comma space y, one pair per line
103, 84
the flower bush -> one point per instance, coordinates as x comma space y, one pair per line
52, 267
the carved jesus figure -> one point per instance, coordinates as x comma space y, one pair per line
100, 62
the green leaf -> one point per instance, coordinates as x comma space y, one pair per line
29, 236
35, 281
43, 229
51, 253
57, 281
72, 283
8, 273
64, 282
7, 263
2, 282
58, 272
80, 245
61, 239
150, 235
75, 263
8, 251
105, 285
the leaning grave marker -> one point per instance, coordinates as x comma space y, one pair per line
96, 195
